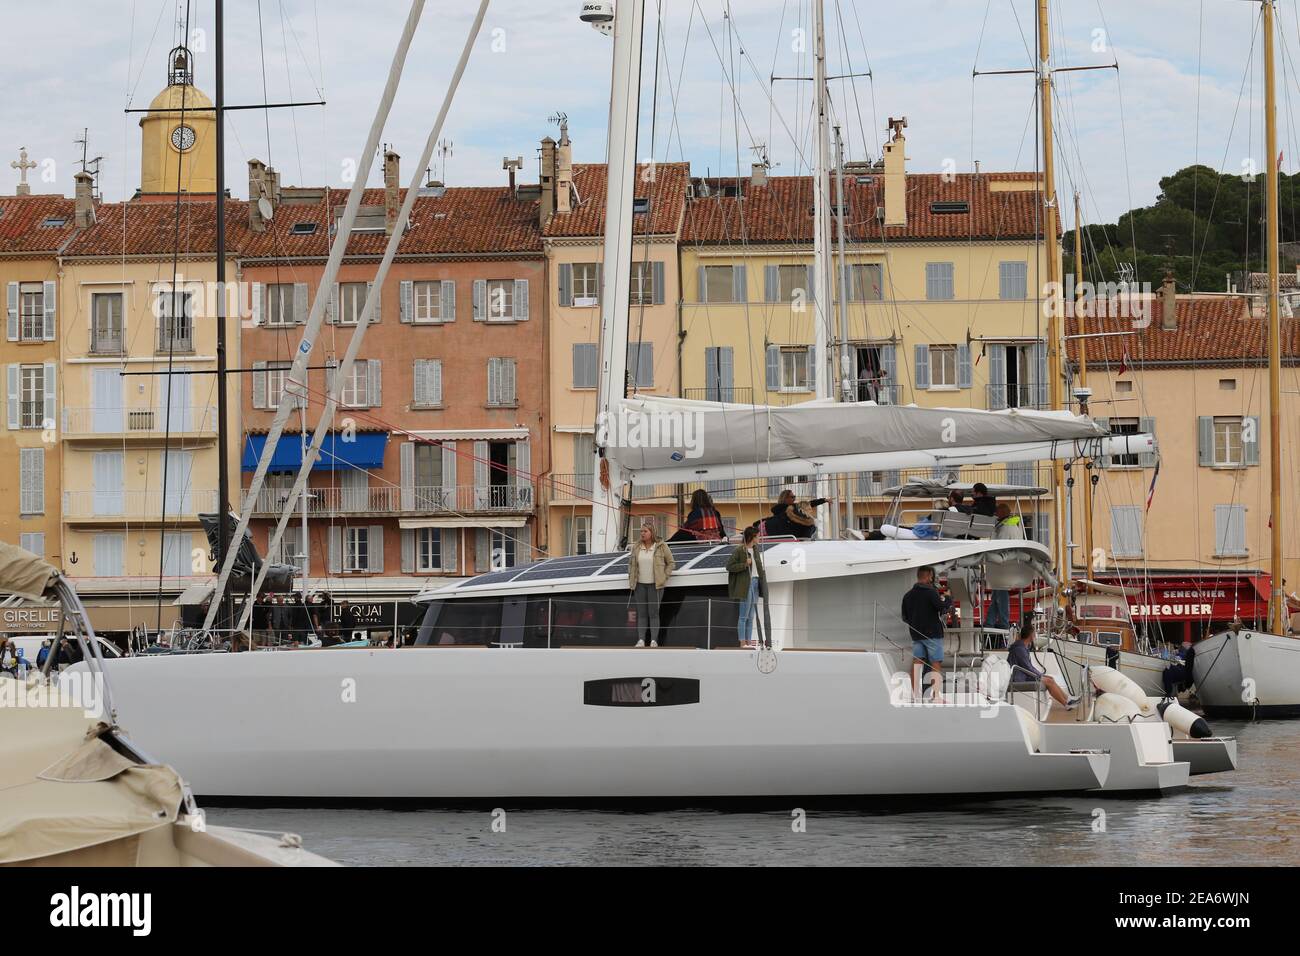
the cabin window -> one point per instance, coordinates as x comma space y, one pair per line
1109, 638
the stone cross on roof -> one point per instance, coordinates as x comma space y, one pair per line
22, 164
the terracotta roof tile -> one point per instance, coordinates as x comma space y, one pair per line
667, 191
157, 228
21, 229
781, 210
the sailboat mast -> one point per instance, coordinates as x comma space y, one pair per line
624, 109
1060, 533
842, 275
823, 290
1081, 332
1277, 596
223, 421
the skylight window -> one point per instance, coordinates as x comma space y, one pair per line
949, 208
55, 222
303, 229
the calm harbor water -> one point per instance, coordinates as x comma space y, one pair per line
1243, 818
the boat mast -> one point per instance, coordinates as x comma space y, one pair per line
1060, 533
823, 290
1081, 332
223, 421
846, 366
624, 108
1277, 597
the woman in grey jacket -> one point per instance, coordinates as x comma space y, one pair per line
648, 569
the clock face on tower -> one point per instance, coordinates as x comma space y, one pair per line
183, 137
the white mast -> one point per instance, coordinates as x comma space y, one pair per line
823, 290
624, 109
847, 383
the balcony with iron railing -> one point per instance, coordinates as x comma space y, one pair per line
1030, 395
137, 506
31, 414
743, 395
107, 342
390, 499
148, 421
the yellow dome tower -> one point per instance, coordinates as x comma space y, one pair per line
178, 134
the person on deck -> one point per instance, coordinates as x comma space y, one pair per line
746, 580
1008, 528
647, 572
1023, 668
789, 517
983, 503
957, 502
923, 611
703, 523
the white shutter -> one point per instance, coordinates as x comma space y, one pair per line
109, 551
524, 473
482, 550
449, 473
375, 545
32, 481
14, 390
377, 311
435, 381
12, 327
963, 366
521, 300
406, 301
447, 304
406, 452
773, 366
480, 300
50, 394
107, 480
508, 393
997, 376
33, 542
300, 303
494, 382
259, 385
448, 538
259, 294
657, 278
49, 299
408, 550
332, 305
1250, 449
1147, 425
336, 550
375, 383
482, 493
420, 387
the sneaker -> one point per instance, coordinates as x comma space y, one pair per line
1072, 701
640, 643
654, 643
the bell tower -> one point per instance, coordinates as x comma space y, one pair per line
178, 134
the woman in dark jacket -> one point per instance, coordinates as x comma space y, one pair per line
746, 580
703, 523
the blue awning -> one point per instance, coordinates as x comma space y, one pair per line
360, 450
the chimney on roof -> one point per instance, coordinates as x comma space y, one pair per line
758, 174
547, 180
392, 189
512, 165
564, 171
85, 201
896, 174
1168, 303
263, 184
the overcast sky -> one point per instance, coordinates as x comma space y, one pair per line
1188, 86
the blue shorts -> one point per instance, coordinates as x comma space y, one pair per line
928, 649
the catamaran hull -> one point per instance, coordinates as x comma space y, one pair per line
465, 723
1248, 675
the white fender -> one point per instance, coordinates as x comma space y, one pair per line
1107, 680
1181, 719
1115, 708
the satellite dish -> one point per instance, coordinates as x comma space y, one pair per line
265, 208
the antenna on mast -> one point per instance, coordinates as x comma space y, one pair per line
445, 149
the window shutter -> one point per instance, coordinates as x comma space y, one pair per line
259, 385
566, 283
49, 299
494, 382
813, 370
1250, 449
258, 296
701, 285
657, 279
408, 551
480, 300
332, 306
300, 303
482, 550
1230, 530
889, 364
566, 529
584, 365
447, 304
374, 383
13, 312
711, 372
376, 548
771, 283
377, 312
726, 366
331, 375
435, 381
482, 493
108, 554
1147, 459
406, 301
32, 481
645, 364
963, 366
1040, 373
524, 474
336, 550
922, 366
448, 538
49, 393
773, 362
739, 293
1102, 461
997, 376
449, 473
1205, 441
521, 300
811, 284
406, 454
420, 392
13, 389
508, 382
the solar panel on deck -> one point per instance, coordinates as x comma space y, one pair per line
547, 571
494, 577
618, 567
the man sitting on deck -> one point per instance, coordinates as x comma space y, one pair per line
1023, 668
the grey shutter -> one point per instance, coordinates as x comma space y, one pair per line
773, 363
300, 303
584, 365
15, 419
435, 381
50, 393
811, 284
482, 550
1205, 441
1040, 373
332, 305
997, 376
376, 548
406, 454
377, 312
1147, 459
406, 301
480, 300
889, 368
771, 283
449, 474
1250, 449
524, 474
259, 385
508, 392
521, 300
408, 551
813, 370
447, 539
31, 470
49, 300
963, 366
739, 293
727, 373
922, 366
494, 381
702, 287
566, 283
13, 312
1102, 461
336, 550
375, 383
657, 280
712, 374
331, 374
420, 389
447, 301
645, 364
1230, 530
482, 493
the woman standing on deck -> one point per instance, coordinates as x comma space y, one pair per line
647, 572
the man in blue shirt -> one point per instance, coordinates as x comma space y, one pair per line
1023, 668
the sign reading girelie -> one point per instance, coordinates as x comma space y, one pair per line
30, 617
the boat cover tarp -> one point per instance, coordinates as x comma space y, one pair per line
62, 788
21, 572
